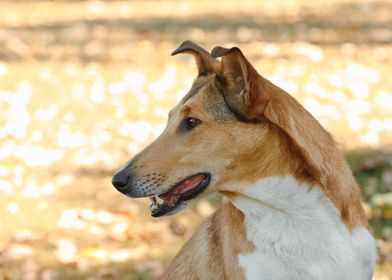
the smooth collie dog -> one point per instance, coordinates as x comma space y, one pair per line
293, 209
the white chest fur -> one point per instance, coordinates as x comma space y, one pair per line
298, 234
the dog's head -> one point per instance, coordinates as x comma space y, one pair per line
233, 126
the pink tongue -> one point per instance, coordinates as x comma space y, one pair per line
188, 184
172, 196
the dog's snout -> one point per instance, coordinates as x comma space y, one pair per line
121, 180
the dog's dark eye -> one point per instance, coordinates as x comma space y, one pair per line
189, 124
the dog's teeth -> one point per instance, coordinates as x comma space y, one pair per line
159, 200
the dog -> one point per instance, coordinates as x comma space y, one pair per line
293, 208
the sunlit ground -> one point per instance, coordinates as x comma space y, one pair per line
85, 85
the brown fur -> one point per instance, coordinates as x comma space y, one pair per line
276, 137
319, 152
215, 246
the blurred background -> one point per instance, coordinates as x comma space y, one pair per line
84, 85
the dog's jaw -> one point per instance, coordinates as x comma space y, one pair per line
179, 195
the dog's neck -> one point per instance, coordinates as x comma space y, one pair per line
282, 195
292, 224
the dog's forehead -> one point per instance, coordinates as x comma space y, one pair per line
199, 86
210, 99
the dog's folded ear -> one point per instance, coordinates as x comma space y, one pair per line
206, 64
243, 87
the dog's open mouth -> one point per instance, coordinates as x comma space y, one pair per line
185, 190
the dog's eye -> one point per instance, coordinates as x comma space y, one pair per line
189, 124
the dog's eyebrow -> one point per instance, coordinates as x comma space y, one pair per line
186, 109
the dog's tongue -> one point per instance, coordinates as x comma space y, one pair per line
173, 195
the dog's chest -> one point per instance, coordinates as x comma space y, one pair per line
297, 234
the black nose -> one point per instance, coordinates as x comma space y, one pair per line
121, 180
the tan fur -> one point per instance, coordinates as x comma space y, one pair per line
286, 140
320, 153
319, 159
215, 246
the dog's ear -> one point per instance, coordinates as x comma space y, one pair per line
206, 64
243, 87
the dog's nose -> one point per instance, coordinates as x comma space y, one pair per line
121, 180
